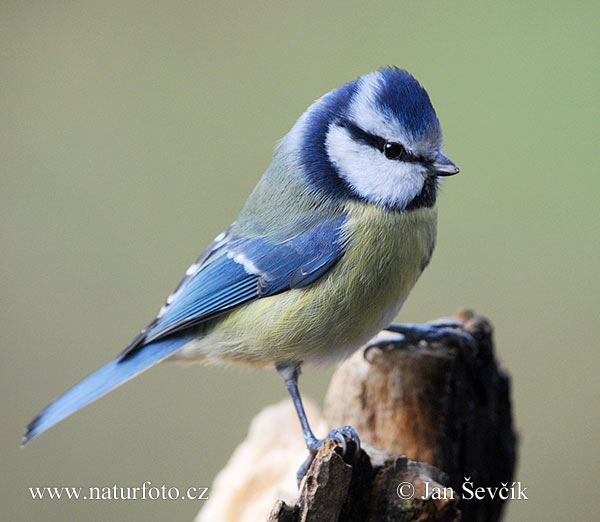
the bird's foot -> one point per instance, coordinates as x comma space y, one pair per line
342, 435
412, 334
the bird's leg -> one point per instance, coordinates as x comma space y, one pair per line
290, 373
412, 334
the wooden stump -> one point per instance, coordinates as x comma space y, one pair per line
444, 405
367, 488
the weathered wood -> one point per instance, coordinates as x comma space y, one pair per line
364, 488
448, 406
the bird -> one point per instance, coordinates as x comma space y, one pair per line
321, 257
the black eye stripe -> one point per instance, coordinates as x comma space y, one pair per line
360, 135
378, 142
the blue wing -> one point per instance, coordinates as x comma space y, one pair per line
239, 269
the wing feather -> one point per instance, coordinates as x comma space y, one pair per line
247, 268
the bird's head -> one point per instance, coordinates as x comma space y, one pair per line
376, 138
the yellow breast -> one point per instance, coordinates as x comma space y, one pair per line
385, 254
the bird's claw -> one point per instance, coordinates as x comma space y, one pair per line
412, 334
341, 435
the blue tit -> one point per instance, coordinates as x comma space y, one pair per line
321, 257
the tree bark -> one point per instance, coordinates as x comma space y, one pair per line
372, 486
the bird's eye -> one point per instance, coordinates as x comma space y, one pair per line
393, 150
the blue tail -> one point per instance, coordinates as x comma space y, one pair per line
100, 382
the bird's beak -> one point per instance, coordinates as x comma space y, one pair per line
443, 166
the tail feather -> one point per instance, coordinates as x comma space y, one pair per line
101, 382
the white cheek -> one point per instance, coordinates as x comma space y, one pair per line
371, 175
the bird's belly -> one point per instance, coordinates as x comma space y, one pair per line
385, 254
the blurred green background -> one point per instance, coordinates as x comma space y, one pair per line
131, 134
